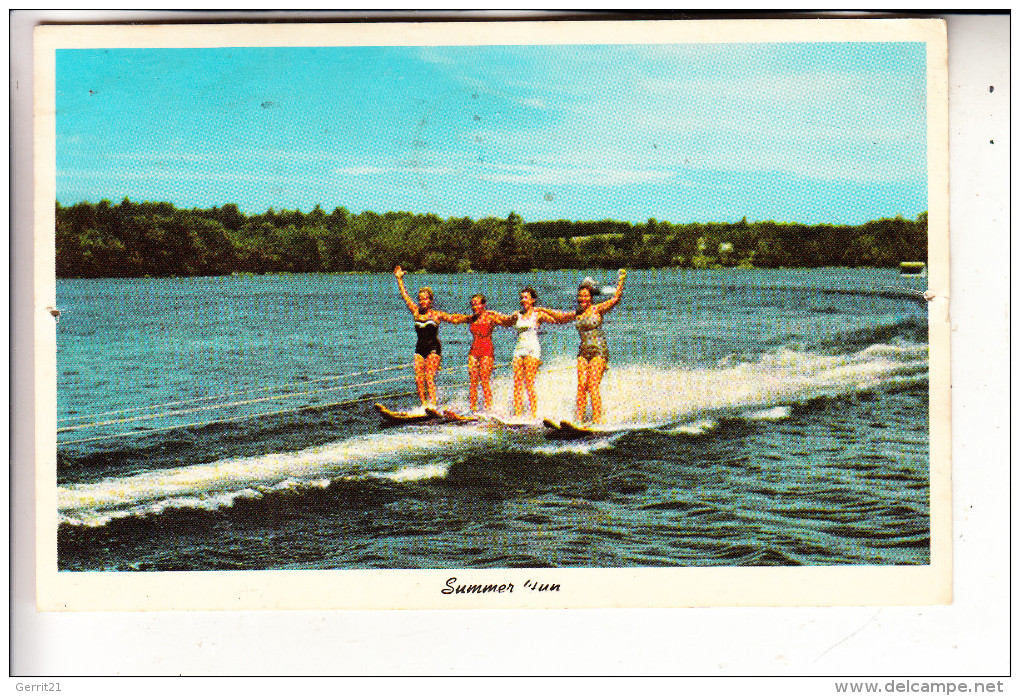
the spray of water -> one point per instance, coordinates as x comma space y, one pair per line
681, 400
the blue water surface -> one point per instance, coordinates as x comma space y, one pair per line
754, 417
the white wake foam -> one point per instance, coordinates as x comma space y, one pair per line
574, 447
696, 428
643, 395
634, 396
769, 414
221, 483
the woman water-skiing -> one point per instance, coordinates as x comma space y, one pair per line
593, 353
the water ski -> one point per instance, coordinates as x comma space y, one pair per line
460, 417
579, 430
402, 416
448, 415
508, 425
565, 430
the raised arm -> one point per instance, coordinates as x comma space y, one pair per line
399, 273
604, 307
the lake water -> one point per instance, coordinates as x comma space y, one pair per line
755, 417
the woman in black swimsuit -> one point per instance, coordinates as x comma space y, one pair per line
427, 351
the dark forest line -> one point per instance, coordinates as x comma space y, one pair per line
129, 239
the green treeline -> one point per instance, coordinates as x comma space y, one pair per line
130, 239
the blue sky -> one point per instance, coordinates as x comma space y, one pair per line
826, 132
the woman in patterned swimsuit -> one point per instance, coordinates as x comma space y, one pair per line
593, 353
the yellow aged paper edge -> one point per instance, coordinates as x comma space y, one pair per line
402, 589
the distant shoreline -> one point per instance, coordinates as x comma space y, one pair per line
158, 240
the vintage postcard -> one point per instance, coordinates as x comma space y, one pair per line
492, 315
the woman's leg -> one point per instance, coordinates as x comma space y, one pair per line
431, 368
485, 374
582, 388
530, 370
473, 377
596, 368
518, 367
419, 379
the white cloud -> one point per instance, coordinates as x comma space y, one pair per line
574, 176
234, 156
404, 168
365, 171
179, 175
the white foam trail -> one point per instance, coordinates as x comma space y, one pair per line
414, 473
219, 484
642, 396
633, 396
770, 414
576, 447
212, 501
697, 428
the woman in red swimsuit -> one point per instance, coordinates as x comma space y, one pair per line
481, 357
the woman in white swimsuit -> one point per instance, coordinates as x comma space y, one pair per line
528, 353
